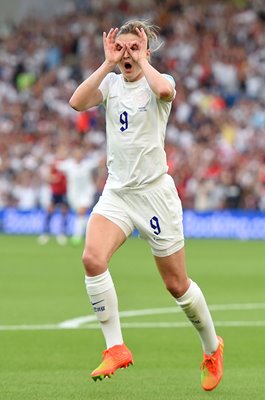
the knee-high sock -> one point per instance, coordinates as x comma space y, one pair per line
103, 298
194, 306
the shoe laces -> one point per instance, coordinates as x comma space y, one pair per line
210, 363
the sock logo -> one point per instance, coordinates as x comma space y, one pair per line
100, 308
97, 302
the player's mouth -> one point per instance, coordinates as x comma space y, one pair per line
128, 67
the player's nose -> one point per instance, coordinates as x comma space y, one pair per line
126, 54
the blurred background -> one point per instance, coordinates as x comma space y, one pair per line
215, 140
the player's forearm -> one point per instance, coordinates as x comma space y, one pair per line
157, 82
87, 94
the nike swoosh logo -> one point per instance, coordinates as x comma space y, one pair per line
97, 302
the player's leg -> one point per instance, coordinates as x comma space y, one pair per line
79, 225
57, 201
190, 298
103, 238
61, 204
45, 236
157, 213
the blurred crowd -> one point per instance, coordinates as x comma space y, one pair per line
215, 141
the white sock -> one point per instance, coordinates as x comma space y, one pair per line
194, 306
103, 298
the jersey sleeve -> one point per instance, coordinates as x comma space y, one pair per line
172, 81
105, 85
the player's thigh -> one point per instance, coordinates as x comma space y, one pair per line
103, 238
108, 227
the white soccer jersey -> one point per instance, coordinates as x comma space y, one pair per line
80, 184
136, 124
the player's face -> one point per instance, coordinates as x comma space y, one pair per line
128, 67
78, 155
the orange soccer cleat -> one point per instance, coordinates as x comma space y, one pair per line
115, 357
212, 367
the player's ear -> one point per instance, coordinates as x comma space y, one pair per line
148, 52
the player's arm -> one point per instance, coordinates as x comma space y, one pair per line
161, 86
87, 94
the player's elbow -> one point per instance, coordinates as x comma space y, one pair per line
166, 94
75, 105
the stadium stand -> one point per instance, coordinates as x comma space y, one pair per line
215, 141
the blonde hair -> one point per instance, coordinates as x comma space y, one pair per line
151, 32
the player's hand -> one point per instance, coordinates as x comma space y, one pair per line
138, 48
114, 50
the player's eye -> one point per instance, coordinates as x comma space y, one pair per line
118, 47
134, 47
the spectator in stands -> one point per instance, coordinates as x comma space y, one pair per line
57, 200
215, 52
24, 191
81, 188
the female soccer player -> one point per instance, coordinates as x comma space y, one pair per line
138, 193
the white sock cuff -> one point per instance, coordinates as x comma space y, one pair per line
191, 296
98, 284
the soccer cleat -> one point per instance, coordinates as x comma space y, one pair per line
115, 357
43, 239
212, 367
61, 239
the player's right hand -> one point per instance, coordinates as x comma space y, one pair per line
114, 50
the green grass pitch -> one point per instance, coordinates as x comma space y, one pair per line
43, 286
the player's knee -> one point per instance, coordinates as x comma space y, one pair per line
94, 264
176, 288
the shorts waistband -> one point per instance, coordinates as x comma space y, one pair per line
145, 188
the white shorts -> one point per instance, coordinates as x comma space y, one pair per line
155, 211
80, 200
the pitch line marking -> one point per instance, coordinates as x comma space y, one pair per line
131, 325
76, 322
88, 322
